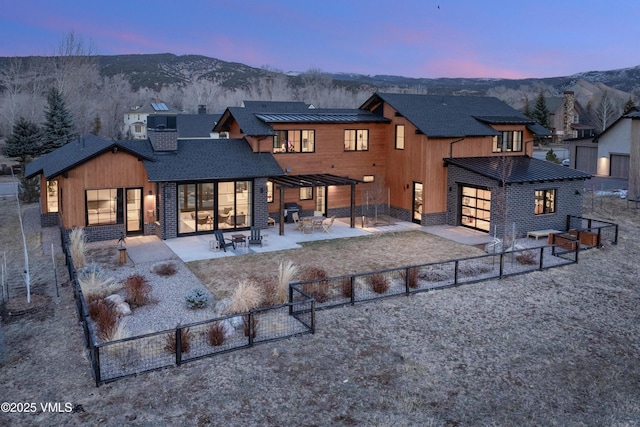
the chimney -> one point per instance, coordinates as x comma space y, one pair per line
162, 132
202, 109
567, 119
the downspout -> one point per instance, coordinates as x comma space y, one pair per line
451, 146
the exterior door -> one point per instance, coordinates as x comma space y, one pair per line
475, 208
417, 203
321, 200
134, 210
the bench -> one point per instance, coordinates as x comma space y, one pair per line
542, 233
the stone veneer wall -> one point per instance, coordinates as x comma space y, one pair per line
520, 201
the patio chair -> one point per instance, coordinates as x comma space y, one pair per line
255, 238
326, 224
296, 219
222, 241
307, 225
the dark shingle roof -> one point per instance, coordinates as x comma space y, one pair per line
451, 116
211, 160
276, 106
79, 151
517, 169
196, 125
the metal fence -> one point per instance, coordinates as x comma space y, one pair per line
347, 290
592, 232
130, 356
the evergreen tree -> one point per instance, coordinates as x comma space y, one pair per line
630, 105
24, 141
541, 112
58, 128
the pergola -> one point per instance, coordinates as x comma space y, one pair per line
315, 180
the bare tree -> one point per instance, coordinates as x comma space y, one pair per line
604, 113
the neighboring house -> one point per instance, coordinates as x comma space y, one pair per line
432, 159
198, 126
135, 120
567, 118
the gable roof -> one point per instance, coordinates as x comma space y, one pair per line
633, 114
81, 150
196, 125
151, 106
440, 116
214, 159
517, 169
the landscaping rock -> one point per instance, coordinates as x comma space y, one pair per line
115, 299
123, 309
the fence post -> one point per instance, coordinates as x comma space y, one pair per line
577, 250
455, 272
406, 280
568, 222
250, 328
501, 263
178, 345
541, 256
353, 291
96, 363
313, 316
290, 300
615, 239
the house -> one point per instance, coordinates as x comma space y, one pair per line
162, 185
567, 118
135, 120
433, 160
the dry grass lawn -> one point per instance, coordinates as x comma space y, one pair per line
558, 347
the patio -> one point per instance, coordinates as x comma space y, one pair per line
194, 248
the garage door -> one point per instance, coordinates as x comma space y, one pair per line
587, 159
475, 208
620, 165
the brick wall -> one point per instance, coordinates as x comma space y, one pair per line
260, 205
50, 220
520, 202
168, 228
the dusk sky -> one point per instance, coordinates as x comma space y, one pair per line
413, 38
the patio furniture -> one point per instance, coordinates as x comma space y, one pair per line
239, 238
317, 221
271, 222
223, 242
307, 226
296, 220
326, 225
255, 238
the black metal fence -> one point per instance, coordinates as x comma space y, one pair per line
592, 232
113, 360
347, 290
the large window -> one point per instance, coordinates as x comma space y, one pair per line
400, 137
53, 201
294, 141
306, 193
356, 140
507, 141
545, 202
269, 192
104, 206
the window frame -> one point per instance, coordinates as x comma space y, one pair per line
547, 200
294, 141
399, 139
359, 143
269, 192
505, 142
308, 196
114, 217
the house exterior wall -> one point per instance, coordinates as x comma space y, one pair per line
616, 140
108, 170
634, 161
518, 207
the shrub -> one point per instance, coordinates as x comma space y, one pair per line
527, 257
286, 271
346, 287
167, 268
197, 298
413, 277
137, 291
94, 283
245, 325
77, 246
473, 268
435, 274
270, 291
379, 283
247, 296
185, 341
104, 315
319, 289
119, 332
215, 334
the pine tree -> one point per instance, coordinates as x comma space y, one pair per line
58, 128
24, 141
541, 112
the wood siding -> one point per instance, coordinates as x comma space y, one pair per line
109, 170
